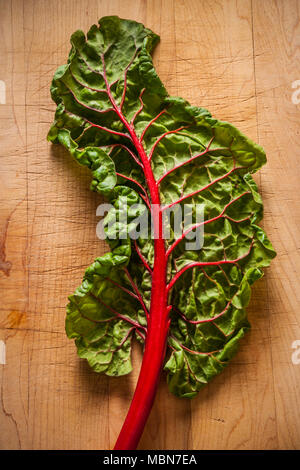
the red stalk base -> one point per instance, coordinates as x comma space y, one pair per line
153, 358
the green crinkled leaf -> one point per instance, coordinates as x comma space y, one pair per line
103, 337
108, 91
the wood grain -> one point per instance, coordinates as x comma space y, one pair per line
238, 59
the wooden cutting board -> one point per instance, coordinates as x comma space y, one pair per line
239, 59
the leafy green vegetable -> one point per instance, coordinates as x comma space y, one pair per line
144, 147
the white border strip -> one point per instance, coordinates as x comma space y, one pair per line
2, 352
2, 92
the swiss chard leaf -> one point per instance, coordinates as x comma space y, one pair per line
112, 113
